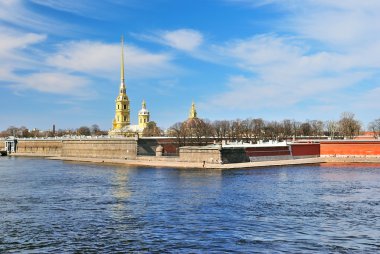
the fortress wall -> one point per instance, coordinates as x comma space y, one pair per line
305, 150
147, 146
40, 147
350, 148
234, 155
91, 148
200, 154
108, 149
213, 154
267, 151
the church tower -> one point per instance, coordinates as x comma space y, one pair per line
193, 111
143, 116
122, 110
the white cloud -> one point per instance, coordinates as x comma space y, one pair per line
76, 7
55, 82
11, 40
251, 93
328, 48
18, 56
15, 53
188, 40
102, 59
260, 51
183, 39
14, 12
71, 69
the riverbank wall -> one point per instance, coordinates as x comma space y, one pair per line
82, 148
237, 153
40, 147
350, 148
109, 149
240, 153
213, 154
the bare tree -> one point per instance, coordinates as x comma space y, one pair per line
151, 130
316, 127
84, 130
374, 127
95, 130
177, 131
305, 129
348, 125
332, 128
12, 131
296, 129
288, 126
258, 128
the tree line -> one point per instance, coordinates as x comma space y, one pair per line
24, 132
250, 129
254, 129
94, 130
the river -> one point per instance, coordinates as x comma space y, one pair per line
51, 206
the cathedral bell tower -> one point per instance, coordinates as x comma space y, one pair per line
143, 116
122, 110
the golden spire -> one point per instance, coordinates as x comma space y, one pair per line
193, 111
143, 104
122, 84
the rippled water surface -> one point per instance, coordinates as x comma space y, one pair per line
57, 207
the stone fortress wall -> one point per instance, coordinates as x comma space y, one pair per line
127, 148
200, 154
40, 147
107, 149
88, 148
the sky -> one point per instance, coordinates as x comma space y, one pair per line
236, 59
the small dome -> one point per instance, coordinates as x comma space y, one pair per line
143, 111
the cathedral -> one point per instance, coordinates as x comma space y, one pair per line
121, 123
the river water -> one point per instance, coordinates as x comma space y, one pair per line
58, 207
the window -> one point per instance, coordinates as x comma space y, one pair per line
125, 118
118, 106
125, 106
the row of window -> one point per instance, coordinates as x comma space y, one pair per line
124, 106
118, 118
143, 120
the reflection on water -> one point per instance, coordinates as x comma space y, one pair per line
54, 207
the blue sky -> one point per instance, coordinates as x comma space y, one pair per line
294, 59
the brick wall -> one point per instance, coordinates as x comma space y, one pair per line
305, 150
350, 148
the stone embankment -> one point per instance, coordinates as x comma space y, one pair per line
173, 162
125, 152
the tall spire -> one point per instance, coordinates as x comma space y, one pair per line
122, 84
143, 104
193, 111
